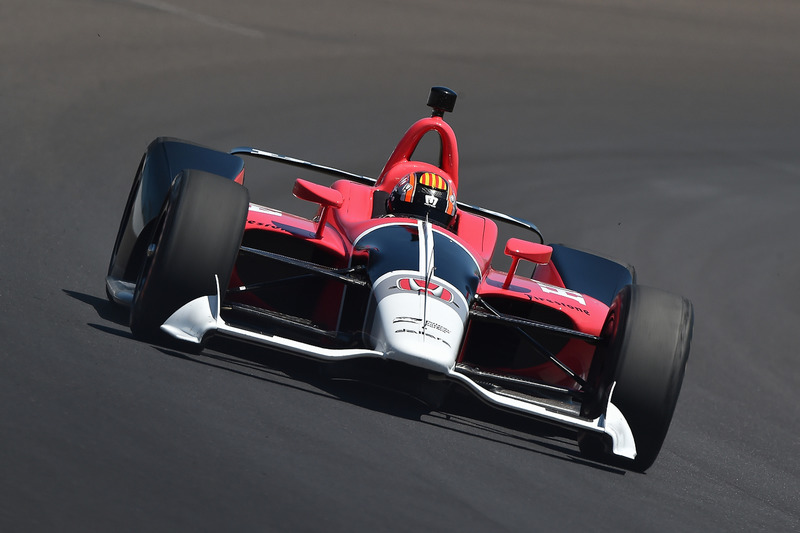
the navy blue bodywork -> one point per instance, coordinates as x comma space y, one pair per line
164, 159
592, 274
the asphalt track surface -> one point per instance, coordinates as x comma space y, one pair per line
663, 133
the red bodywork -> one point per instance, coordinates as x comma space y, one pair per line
347, 210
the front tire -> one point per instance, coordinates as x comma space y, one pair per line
649, 334
197, 236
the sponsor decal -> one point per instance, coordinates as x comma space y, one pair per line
564, 293
268, 224
425, 334
418, 285
417, 321
431, 200
561, 304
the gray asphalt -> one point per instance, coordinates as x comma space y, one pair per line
664, 133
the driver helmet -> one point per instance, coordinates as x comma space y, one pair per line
423, 195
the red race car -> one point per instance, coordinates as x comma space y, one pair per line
397, 271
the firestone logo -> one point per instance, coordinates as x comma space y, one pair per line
418, 285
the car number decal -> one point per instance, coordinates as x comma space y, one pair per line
560, 291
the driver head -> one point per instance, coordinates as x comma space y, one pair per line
424, 195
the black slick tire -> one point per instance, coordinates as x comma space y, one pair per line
648, 335
197, 236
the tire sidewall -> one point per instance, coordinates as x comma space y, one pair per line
644, 359
197, 237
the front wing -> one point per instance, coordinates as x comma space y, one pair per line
201, 316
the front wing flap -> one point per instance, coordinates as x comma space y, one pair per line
193, 321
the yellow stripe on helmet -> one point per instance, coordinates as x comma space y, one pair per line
435, 181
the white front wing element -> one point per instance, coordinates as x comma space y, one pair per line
613, 423
191, 322
194, 320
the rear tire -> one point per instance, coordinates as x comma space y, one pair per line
649, 334
197, 236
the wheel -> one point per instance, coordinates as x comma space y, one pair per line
648, 334
197, 236
163, 159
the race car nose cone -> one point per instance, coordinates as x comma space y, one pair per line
420, 327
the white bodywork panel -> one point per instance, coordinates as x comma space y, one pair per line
415, 327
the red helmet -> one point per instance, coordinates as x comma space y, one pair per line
423, 195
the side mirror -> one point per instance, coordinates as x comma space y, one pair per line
530, 251
319, 194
